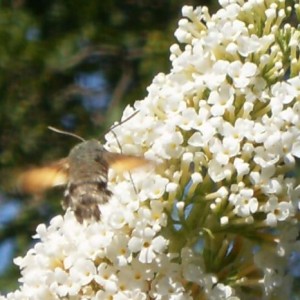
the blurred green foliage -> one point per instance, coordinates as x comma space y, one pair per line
45, 48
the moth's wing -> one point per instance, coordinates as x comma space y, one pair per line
38, 180
122, 162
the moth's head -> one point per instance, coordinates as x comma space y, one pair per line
89, 150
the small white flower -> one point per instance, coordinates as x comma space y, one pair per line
128, 295
135, 276
247, 45
225, 149
222, 291
264, 158
221, 100
188, 119
218, 172
148, 246
283, 91
61, 283
241, 166
277, 211
217, 75
153, 188
118, 251
244, 202
107, 278
167, 288
168, 145
241, 74
203, 136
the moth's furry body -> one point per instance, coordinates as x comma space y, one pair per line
87, 184
84, 172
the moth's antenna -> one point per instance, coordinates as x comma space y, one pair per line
66, 133
114, 134
122, 122
130, 176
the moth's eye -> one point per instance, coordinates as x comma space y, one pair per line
99, 159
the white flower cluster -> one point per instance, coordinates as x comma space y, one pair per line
218, 217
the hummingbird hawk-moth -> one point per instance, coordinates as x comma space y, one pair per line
84, 172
